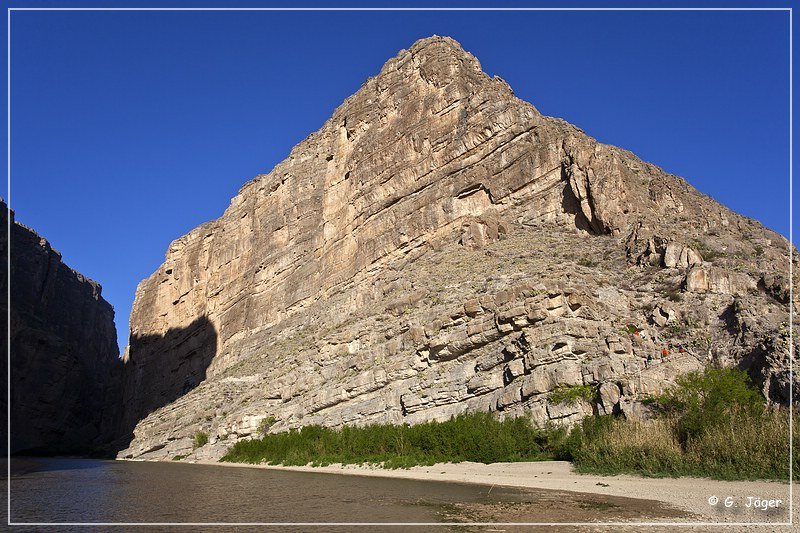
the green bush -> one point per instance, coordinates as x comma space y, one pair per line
266, 423
477, 437
200, 439
701, 400
569, 448
571, 394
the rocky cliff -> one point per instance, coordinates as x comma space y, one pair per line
440, 246
65, 368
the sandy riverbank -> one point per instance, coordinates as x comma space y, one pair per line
688, 494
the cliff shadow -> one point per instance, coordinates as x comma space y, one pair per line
159, 369
572, 205
60, 349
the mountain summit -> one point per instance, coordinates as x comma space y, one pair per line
439, 246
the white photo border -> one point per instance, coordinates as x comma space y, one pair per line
389, 9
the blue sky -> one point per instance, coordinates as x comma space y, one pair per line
131, 128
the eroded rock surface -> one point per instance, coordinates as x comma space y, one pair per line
65, 369
439, 246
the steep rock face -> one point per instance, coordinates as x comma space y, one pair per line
440, 246
65, 368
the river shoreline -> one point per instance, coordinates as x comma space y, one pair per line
691, 495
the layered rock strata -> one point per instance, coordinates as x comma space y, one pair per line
65, 368
439, 246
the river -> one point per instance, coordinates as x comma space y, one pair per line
68, 490
87, 490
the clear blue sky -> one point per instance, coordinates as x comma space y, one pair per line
129, 129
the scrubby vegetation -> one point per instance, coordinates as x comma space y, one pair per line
266, 423
705, 251
710, 424
200, 439
741, 446
475, 437
571, 394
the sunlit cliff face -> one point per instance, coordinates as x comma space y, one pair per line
439, 246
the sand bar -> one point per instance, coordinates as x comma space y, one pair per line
689, 494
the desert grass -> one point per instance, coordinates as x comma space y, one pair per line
739, 445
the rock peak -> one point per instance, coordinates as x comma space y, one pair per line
443, 42
440, 61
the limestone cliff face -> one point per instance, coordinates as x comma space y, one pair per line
64, 355
440, 246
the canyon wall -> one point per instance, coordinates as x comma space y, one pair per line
65, 370
440, 246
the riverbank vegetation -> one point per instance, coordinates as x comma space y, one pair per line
477, 437
709, 424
